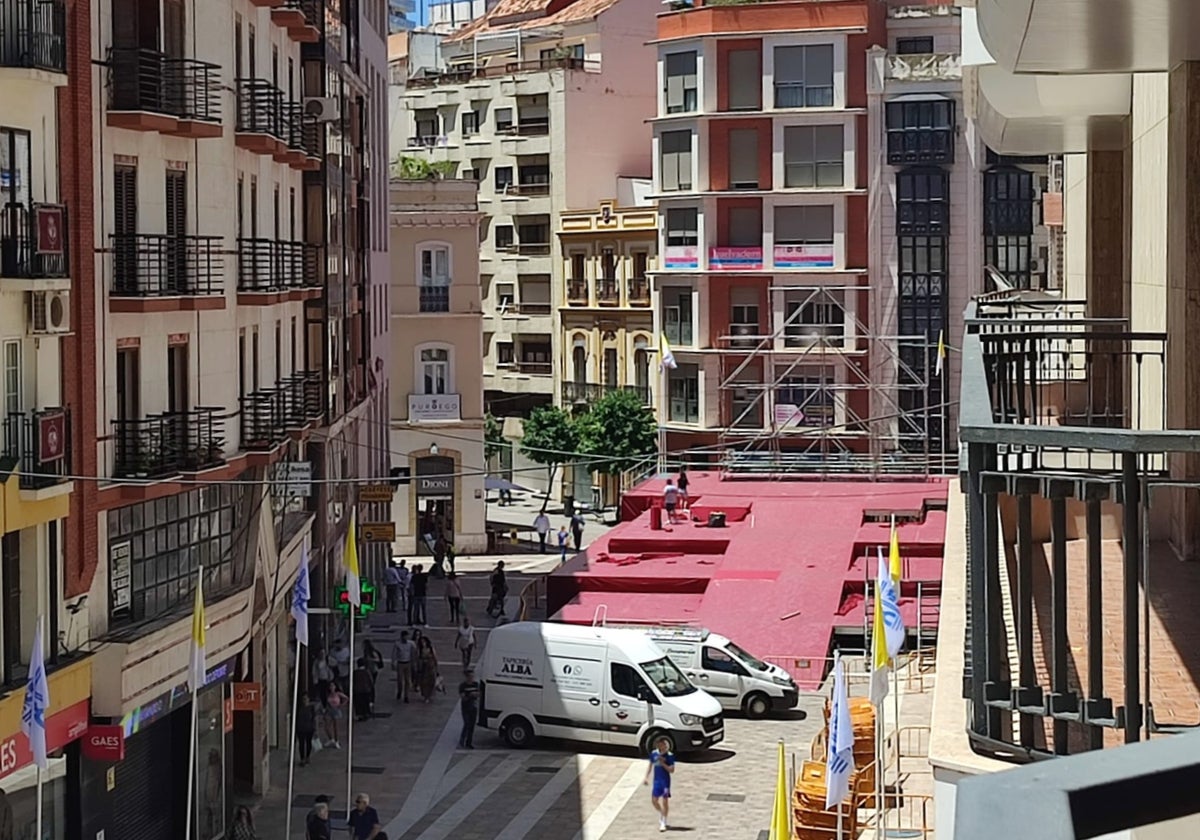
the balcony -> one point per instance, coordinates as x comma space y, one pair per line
577, 292
586, 393
302, 402
532, 188
638, 291
924, 67
149, 91
264, 419
33, 242
498, 71
162, 445
301, 18
304, 138
33, 35
155, 272
532, 368
39, 442
261, 126
272, 272
608, 292
434, 298
1062, 424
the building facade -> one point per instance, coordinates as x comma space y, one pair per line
525, 130
446, 16
437, 420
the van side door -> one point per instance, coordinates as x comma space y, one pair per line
625, 707
721, 676
573, 699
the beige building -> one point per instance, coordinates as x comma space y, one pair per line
437, 426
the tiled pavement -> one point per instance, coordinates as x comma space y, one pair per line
427, 789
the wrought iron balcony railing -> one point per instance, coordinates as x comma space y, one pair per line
577, 292
608, 292
40, 444
148, 80
33, 34
304, 133
158, 265
590, 392
260, 110
639, 291
256, 265
204, 439
165, 444
33, 241
264, 418
302, 401
435, 298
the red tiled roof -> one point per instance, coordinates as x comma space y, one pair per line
527, 14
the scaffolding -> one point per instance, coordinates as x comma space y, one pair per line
824, 394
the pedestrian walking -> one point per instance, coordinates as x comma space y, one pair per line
682, 484
563, 536
468, 693
499, 585
450, 556
316, 826
335, 706
439, 557
670, 499
577, 524
363, 821
541, 524
418, 588
454, 597
243, 824
662, 766
428, 669
464, 642
306, 728
341, 664
364, 690
403, 654
322, 674
391, 585
374, 658
405, 576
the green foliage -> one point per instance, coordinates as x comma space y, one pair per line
493, 436
619, 429
408, 168
550, 436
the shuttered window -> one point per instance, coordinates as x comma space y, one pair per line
804, 225
676, 160
745, 80
745, 227
743, 159
176, 246
681, 87
125, 222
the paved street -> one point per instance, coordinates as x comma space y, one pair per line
427, 789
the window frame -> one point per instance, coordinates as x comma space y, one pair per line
923, 201
687, 104
677, 161
920, 130
806, 209
424, 367
669, 230
802, 85
818, 162
678, 379
434, 296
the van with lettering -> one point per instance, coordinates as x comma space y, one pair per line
596, 684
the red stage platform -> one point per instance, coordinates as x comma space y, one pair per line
779, 579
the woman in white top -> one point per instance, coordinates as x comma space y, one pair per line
465, 641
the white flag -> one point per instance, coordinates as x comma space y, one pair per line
839, 762
880, 660
37, 702
300, 596
889, 600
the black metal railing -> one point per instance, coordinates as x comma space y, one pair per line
310, 8
1062, 423
639, 291
33, 34
462, 76
260, 110
149, 447
40, 444
577, 292
264, 418
304, 132
265, 265
157, 265
256, 265
590, 392
148, 80
608, 291
33, 241
204, 439
435, 298
303, 261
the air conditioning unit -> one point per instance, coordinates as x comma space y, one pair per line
324, 108
49, 313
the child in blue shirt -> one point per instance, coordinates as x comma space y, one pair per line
662, 765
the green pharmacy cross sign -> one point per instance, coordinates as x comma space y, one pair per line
366, 595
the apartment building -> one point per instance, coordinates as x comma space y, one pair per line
1081, 501
401, 15
761, 176
44, 272
448, 15
527, 91
437, 422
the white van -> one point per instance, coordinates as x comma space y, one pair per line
730, 674
595, 684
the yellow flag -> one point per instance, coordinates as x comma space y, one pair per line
781, 828
198, 669
941, 353
894, 556
879, 652
353, 583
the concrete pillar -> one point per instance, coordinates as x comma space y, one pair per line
1183, 294
1106, 240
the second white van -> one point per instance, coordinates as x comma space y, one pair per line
596, 684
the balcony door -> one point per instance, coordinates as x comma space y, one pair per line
125, 223
128, 441
177, 395
136, 23
176, 250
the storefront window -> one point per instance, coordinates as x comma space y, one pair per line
210, 764
19, 793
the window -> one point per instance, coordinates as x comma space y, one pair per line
503, 178
125, 224
470, 123
743, 317
504, 237
921, 131
629, 683
681, 87
677, 315
683, 226
155, 548
813, 156
715, 659
535, 294
13, 402
1011, 256
505, 295
435, 371
426, 126
921, 316
579, 364
683, 386
578, 266
923, 201
744, 77
808, 398
676, 149
611, 367
16, 170
504, 119
804, 76
534, 234
536, 356
1008, 201
641, 372
810, 224
811, 318
914, 46
435, 279
558, 56
743, 159
504, 352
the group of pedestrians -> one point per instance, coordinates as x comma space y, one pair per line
567, 533
405, 590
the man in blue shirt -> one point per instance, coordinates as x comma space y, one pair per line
662, 765
364, 820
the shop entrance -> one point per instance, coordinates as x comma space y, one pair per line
437, 522
436, 486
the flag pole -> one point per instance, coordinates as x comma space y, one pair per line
191, 794
350, 712
287, 832
41, 626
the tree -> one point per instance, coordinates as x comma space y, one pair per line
619, 431
494, 441
551, 438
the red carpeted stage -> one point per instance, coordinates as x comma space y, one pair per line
785, 574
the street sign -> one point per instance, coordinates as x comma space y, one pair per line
375, 493
377, 532
296, 477
366, 595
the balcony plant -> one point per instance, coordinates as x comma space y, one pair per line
409, 168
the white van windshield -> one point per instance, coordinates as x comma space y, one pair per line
747, 659
668, 679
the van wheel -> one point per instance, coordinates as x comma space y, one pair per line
649, 739
756, 706
517, 732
